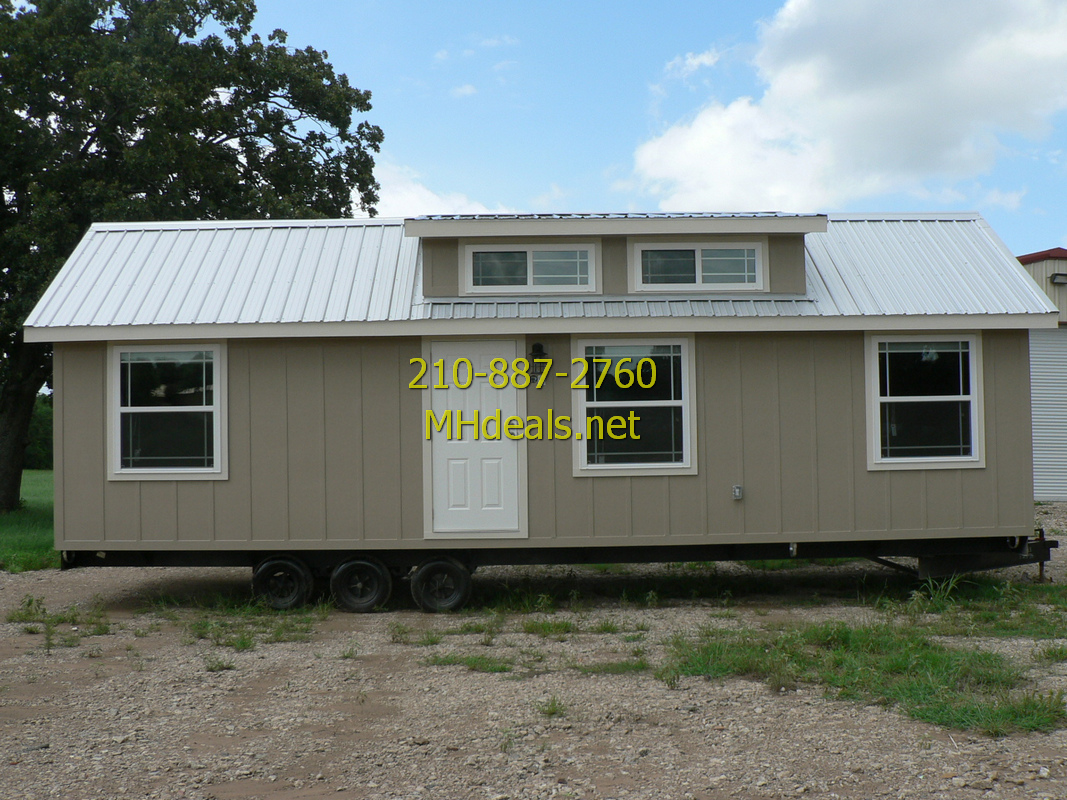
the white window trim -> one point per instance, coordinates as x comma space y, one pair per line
468, 268
875, 460
578, 413
115, 470
638, 285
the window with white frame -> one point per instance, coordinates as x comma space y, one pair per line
925, 401
167, 411
633, 407
701, 266
499, 269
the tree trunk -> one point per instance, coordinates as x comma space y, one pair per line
27, 371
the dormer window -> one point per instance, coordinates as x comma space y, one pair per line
697, 266
517, 268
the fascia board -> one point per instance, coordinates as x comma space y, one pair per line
556, 325
448, 228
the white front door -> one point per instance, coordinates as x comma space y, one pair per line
475, 480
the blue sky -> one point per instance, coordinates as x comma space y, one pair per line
810, 105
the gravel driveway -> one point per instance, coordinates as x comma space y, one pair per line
150, 710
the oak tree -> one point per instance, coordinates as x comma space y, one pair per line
117, 110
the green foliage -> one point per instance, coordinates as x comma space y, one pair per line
895, 665
1053, 653
545, 628
237, 622
26, 535
473, 663
552, 707
215, 663
173, 109
39, 450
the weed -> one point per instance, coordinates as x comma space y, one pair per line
1052, 653
606, 626
351, 651
31, 609
549, 628
216, 664
885, 663
633, 637
507, 741
399, 633
243, 640
552, 707
30, 629
473, 663
429, 638
93, 652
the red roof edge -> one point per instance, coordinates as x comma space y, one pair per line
1044, 255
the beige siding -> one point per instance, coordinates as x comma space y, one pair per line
440, 267
786, 257
442, 261
80, 444
325, 451
615, 254
1042, 272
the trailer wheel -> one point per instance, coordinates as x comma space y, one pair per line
441, 584
284, 583
361, 585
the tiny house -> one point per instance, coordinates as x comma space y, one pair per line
359, 401
1048, 378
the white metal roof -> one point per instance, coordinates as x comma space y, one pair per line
363, 277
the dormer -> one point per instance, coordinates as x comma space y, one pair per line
704, 255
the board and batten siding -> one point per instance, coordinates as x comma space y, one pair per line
326, 443
318, 457
784, 416
1048, 386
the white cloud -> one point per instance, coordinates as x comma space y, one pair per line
684, 66
440, 55
404, 195
466, 90
865, 98
499, 41
1007, 200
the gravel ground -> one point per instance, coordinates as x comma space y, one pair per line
356, 713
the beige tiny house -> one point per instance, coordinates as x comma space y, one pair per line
743, 386
1048, 378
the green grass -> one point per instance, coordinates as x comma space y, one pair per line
552, 707
26, 535
473, 663
546, 628
237, 622
891, 664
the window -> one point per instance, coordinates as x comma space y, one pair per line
700, 266
634, 414
499, 269
925, 401
167, 406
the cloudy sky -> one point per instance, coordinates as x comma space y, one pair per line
807, 105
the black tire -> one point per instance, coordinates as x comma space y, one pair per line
361, 585
441, 584
284, 583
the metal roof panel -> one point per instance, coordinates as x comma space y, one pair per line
357, 271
